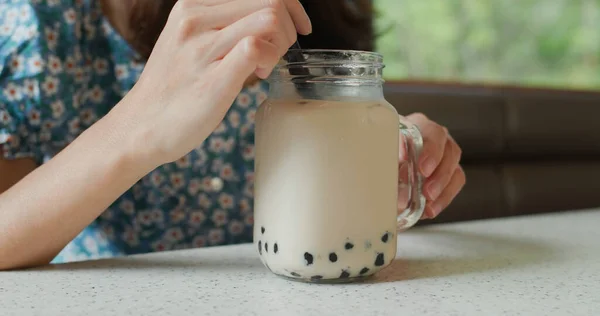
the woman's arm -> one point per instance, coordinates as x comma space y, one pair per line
196, 70
52, 204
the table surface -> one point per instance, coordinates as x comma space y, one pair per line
536, 265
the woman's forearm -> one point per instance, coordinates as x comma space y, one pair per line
41, 213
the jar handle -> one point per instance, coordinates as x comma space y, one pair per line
413, 145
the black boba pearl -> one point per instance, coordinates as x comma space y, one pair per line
379, 260
333, 257
385, 237
260, 247
309, 258
262, 229
266, 247
364, 270
345, 274
275, 248
349, 246
316, 277
294, 274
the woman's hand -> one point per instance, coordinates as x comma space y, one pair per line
203, 56
439, 163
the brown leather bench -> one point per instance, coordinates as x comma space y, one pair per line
524, 150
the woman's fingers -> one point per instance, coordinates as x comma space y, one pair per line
457, 181
440, 178
251, 54
264, 24
434, 143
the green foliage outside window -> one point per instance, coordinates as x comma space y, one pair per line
549, 43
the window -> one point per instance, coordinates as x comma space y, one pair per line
547, 43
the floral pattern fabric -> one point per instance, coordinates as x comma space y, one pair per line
62, 67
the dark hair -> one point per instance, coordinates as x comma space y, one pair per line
337, 24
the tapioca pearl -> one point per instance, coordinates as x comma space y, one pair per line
333, 257
364, 270
348, 246
262, 229
308, 258
385, 237
266, 247
275, 248
259, 247
294, 274
345, 274
316, 277
380, 260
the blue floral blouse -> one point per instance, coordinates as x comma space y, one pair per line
62, 67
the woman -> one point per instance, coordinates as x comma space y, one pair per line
127, 126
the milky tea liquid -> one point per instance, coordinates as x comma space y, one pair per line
326, 187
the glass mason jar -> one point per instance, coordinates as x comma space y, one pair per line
327, 151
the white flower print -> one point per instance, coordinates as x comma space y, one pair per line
97, 94
36, 63
25, 13
101, 66
31, 88
11, 15
243, 100
177, 215
229, 145
77, 99
199, 241
4, 138
54, 65
216, 236
234, 119
51, 37
197, 218
45, 136
245, 129
157, 178
70, 16
127, 207
159, 246
158, 216
244, 206
248, 152
107, 215
260, 97
202, 157
216, 144
58, 108
88, 116
236, 227
50, 86
12, 92
177, 180
144, 217
249, 219
255, 87
131, 237
174, 234
227, 172
20, 34
194, 186
204, 201
90, 244
79, 74
34, 117
248, 189
70, 64
226, 201
250, 115
52, 3
207, 184
74, 126
6, 29
32, 31
121, 71
47, 126
219, 218
17, 63
221, 128
183, 162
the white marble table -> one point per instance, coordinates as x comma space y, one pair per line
539, 265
